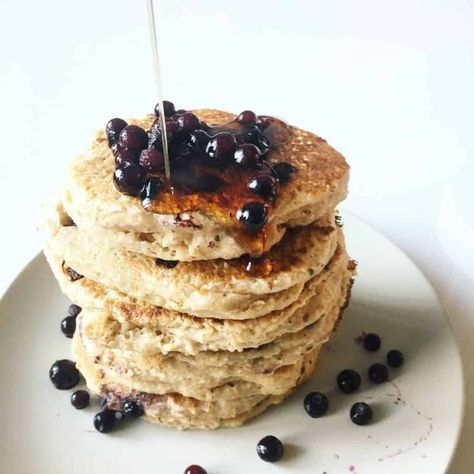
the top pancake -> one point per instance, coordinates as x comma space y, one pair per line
210, 288
92, 201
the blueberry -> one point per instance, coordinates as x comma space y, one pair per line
154, 139
249, 134
105, 420
187, 122
151, 160
378, 373
270, 449
283, 171
113, 129
166, 263
129, 179
63, 374
156, 125
71, 273
201, 139
248, 156
68, 326
253, 216
266, 168
205, 127
123, 156
372, 342
132, 409
80, 399
151, 190
195, 469
361, 413
172, 128
194, 143
221, 147
316, 404
115, 148
348, 381
263, 144
253, 135
395, 358
133, 137
247, 117
264, 185
168, 108
154, 136
74, 310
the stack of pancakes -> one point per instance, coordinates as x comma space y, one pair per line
171, 315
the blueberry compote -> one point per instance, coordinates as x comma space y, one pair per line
222, 170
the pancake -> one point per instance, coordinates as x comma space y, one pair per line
134, 325
219, 288
178, 411
202, 318
269, 369
93, 203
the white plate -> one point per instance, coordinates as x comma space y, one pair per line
417, 415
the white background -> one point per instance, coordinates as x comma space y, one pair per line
389, 84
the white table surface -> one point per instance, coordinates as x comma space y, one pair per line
387, 83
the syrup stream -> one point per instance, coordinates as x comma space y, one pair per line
159, 88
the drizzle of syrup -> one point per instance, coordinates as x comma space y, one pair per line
259, 266
198, 184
